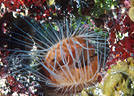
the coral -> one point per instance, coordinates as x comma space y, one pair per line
45, 41
118, 81
131, 9
56, 9
13, 83
131, 14
121, 36
69, 53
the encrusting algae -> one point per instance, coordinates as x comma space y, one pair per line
119, 81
